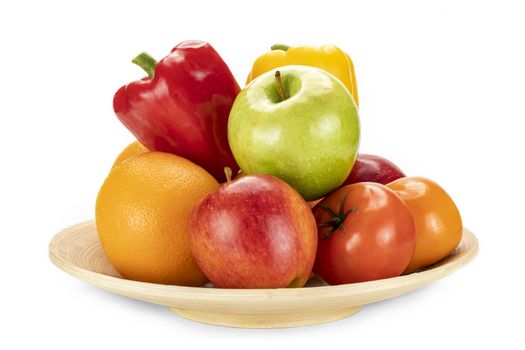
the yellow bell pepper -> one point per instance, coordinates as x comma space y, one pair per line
327, 57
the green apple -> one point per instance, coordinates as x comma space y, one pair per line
301, 125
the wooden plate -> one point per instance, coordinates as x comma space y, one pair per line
77, 251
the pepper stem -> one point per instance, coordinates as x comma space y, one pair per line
146, 62
280, 47
280, 86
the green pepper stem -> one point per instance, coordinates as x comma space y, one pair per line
280, 47
280, 86
146, 62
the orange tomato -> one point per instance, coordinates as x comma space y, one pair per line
438, 223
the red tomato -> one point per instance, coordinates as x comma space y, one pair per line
366, 232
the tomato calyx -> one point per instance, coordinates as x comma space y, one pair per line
337, 219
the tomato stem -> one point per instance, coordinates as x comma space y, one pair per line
336, 219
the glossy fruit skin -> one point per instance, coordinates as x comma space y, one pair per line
327, 57
184, 108
375, 241
310, 140
254, 232
371, 168
439, 227
142, 211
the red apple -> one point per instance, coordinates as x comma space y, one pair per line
370, 168
254, 232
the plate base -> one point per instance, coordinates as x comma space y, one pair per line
266, 321
77, 251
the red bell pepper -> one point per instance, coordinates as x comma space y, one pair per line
183, 106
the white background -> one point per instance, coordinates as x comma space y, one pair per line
442, 89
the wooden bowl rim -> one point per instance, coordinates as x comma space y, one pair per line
466, 252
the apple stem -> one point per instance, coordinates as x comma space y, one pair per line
280, 86
228, 173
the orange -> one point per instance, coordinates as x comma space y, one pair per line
133, 149
142, 215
